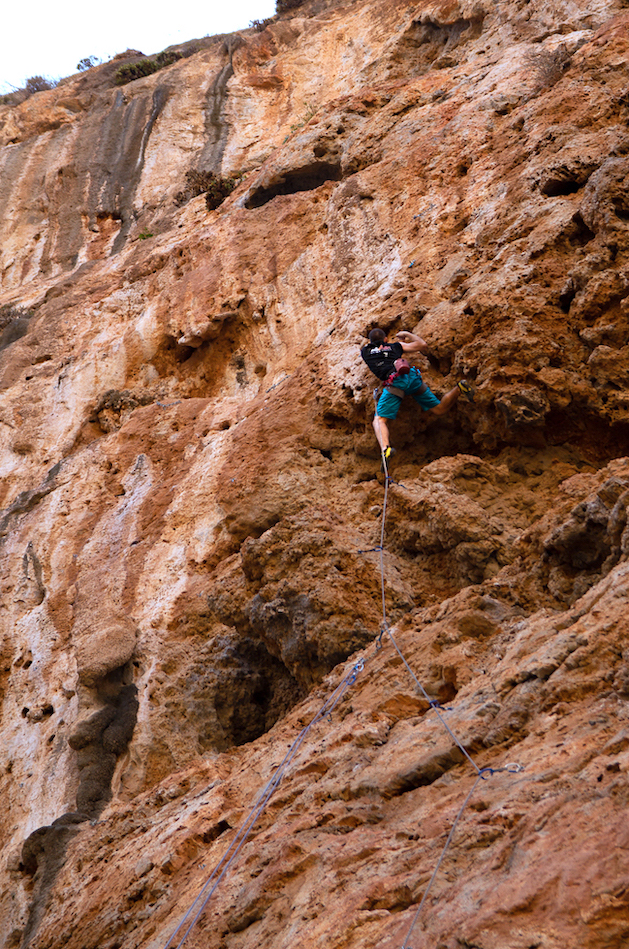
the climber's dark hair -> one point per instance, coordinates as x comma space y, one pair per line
377, 335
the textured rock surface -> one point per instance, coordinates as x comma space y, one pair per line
191, 495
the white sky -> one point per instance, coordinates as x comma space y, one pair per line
49, 37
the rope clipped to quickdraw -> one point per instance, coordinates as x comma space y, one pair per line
435, 706
221, 868
481, 773
205, 894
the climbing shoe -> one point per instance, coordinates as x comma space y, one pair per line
466, 390
386, 455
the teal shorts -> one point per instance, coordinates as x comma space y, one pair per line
388, 404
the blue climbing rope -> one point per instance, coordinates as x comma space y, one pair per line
481, 773
435, 706
221, 868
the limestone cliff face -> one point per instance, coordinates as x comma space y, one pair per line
191, 494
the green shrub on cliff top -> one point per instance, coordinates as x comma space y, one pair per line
33, 84
144, 67
87, 63
38, 84
260, 25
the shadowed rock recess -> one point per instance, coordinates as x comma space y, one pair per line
191, 499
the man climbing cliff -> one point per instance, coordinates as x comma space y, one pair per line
386, 361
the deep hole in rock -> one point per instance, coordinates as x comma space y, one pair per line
170, 355
560, 186
426, 772
215, 831
566, 297
620, 210
306, 178
581, 234
247, 691
440, 437
597, 440
338, 422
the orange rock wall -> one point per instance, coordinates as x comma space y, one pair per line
192, 503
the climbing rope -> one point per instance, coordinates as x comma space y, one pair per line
221, 868
481, 773
435, 706
384, 516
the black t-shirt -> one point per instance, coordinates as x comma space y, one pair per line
382, 361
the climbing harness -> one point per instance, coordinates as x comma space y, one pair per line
402, 367
388, 384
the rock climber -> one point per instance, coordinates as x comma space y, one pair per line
386, 361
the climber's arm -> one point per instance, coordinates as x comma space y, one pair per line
411, 343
